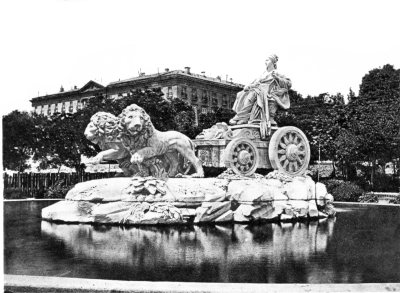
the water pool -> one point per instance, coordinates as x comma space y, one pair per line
362, 244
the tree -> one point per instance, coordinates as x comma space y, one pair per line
207, 120
18, 140
373, 121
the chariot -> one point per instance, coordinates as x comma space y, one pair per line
243, 149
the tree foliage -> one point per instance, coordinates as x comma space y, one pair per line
18, 140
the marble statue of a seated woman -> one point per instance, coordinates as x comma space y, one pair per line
258, 101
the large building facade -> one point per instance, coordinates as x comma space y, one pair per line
202, 92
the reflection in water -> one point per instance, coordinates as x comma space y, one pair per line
360, 245
229, 253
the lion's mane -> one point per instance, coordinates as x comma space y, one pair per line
107, 126
139, 141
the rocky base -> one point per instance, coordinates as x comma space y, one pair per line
149, 201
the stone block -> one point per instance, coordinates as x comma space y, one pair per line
101, 190
69, 211
312, 209
311, 187
300, 207
110, 207
262, 211
227, 217
243, 212
322, 215
273, 183
248, 191
209, 212
196, 189
321, 193
297, 190
286, 218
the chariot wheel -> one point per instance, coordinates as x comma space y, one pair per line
289, 151
241, 156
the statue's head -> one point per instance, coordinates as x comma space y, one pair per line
271, 62
134, 119
102, 127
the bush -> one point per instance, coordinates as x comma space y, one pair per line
58, 190
369, 197
14, 193
344, 190
386, 183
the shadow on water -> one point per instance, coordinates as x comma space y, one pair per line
360, 245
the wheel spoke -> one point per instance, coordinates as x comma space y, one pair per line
303, 153
290, 137
282, 158
295, 166
285, 164
282, 152
285, 140
282, 145
300, 161
300, 145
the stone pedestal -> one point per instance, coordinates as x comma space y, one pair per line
150, 201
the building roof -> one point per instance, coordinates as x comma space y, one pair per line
178, 72
89, 86
93, 86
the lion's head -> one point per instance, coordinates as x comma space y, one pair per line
135, 127
102, 127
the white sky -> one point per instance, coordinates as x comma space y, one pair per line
323, 46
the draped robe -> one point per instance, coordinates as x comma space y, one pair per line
254, 108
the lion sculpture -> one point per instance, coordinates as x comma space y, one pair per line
145, 143
103, 130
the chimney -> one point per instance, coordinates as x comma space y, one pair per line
231, 79
61, 89
166, 69
75, 87
203, 73
219, 78
187, 70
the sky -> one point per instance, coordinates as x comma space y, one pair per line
323, 46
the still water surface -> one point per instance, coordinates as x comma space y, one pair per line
361, 245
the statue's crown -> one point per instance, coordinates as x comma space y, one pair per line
273, 58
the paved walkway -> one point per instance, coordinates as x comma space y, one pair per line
17, 283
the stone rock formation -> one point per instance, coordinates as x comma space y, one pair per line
151, 201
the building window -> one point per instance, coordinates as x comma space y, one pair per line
194, 95
204, 99
196, 116
43, 110
62, 107
49, 110
79, 106
224, 100
214, 99
170, 95
71, 107
204, 110
184, 93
